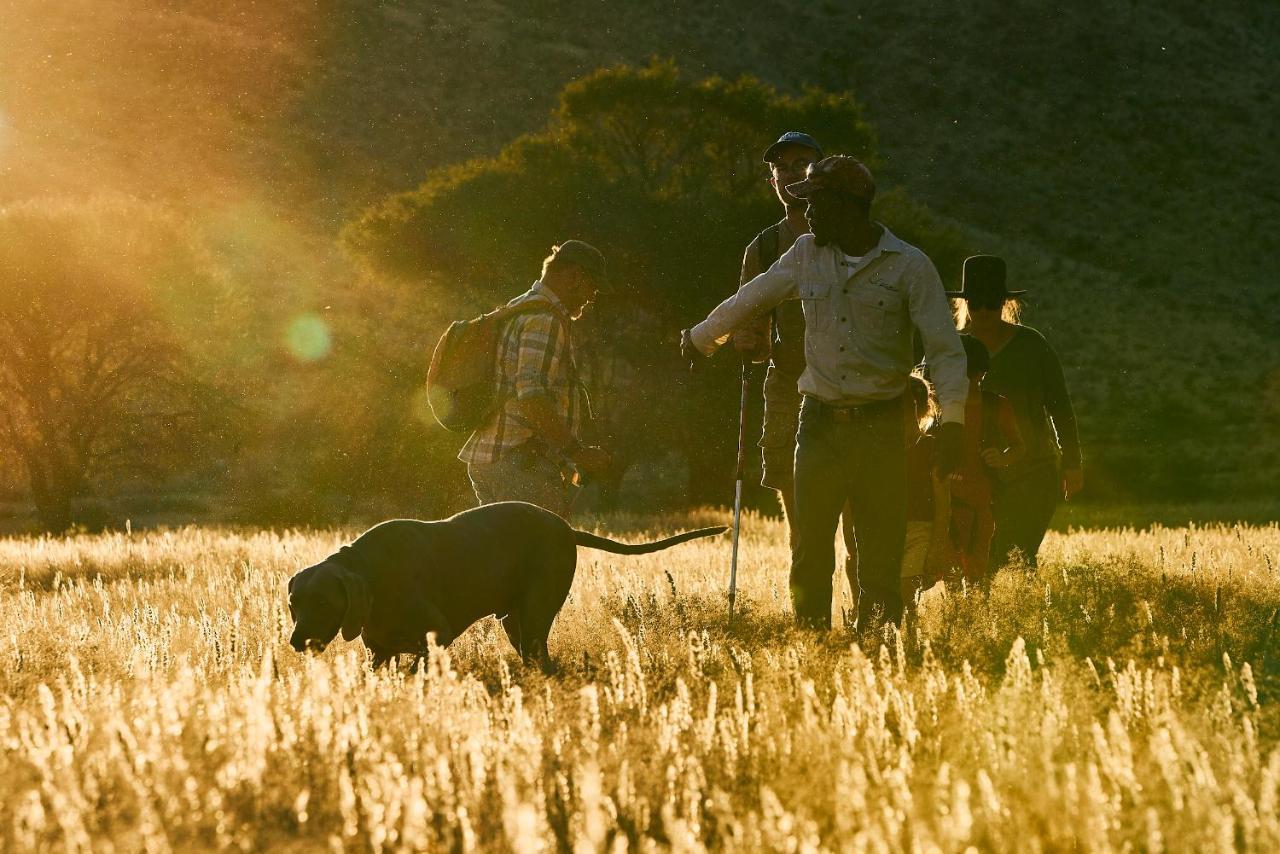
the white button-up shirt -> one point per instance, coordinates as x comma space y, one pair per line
858, 321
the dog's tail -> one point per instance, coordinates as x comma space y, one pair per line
605, 544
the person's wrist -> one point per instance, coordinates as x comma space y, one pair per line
951, 412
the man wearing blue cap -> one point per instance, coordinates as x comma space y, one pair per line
779, 337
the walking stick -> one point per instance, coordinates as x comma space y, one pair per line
739, 476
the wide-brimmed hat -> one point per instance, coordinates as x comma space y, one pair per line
791, 137
983, 280
838, 172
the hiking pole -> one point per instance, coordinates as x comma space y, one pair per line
739, 476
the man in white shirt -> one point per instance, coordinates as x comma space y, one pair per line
863, 291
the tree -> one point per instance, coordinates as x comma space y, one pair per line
102, 308
661, 172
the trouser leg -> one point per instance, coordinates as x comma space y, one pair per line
778, 464
915, 555
787, 494
521, 474
877, 489
1023, 509
785, 486
820, 492
979, 567
851, 551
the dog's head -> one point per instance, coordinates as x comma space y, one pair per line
323, 599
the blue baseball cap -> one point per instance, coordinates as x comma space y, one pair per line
792, 137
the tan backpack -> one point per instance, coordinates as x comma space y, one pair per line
462, 386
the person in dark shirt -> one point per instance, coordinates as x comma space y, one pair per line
1025, 370
779, 337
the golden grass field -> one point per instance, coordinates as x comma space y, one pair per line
1121, 698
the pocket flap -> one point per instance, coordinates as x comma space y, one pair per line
815, 289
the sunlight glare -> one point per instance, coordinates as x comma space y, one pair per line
307, 338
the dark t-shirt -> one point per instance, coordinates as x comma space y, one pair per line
1027, 372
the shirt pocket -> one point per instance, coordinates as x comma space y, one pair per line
819, 308
881, 310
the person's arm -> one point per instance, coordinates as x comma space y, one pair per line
943, 352
1057, 401
753, 339
759, 295
541, 416
944, 355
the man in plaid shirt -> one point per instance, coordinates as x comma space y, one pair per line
529, 448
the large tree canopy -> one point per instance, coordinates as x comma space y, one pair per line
664, 174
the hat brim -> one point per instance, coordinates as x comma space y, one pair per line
806, 188
964, 296
801, 189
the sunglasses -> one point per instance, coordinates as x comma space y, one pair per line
795, 167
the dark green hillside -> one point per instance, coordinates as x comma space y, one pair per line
1121, 153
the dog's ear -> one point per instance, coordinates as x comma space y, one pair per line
358, 604
293, 579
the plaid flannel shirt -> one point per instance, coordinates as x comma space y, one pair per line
535, 358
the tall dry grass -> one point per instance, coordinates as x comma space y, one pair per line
1119, 697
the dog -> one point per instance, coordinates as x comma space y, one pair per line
404, 578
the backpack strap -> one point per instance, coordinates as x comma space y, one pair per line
508, 313
768, 243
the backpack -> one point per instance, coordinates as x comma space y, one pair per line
462, 387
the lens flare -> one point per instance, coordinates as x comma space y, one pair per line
307, 338
420, 407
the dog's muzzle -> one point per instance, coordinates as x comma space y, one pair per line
307, 644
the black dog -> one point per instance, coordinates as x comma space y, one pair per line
404, 578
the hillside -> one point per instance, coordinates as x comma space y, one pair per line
1121, 154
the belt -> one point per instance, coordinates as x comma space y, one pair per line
854, 412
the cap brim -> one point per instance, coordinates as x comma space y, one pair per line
772, 151
801, 189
